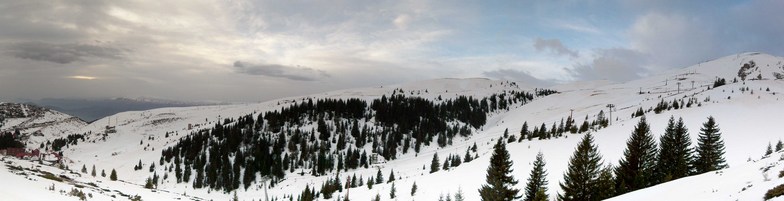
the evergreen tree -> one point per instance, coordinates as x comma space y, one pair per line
113, 175
459, 195
379, 177
710, 148
103, 173
675, 154
779, 146
584, 167
370, 183
84, 168
500, 182
523, 132
392, 191
413, 189
391, 176
93, 171
537, 181
467, 157
434, 165
768, 151
605, 184
378, 198
636, 169
307, 194
540, 195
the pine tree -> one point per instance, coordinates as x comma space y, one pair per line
467, 157
583, 172
103, 173
710, 148
537, 181
113, 175
636, 169
675, 154
779, 146
370, 183
93, 171
523, 132
767, 152
459, 195
605, 184
413, 189
392, 191
84, 168
500, 182
435, 165
378, 198
379, 177
391, 176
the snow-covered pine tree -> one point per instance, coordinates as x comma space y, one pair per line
537, 181
582, 173
499, 177
710, 148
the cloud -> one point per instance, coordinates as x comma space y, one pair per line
62, 53
402, 21
276, 70
519, 76
555, 46
617, 64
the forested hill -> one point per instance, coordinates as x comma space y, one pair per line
321, 136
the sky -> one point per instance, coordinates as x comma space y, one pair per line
244, 51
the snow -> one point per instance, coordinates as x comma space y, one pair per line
748, 122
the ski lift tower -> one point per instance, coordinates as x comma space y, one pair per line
611, 106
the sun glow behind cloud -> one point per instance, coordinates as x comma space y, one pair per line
82, 77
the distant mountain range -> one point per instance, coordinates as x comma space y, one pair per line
90, 110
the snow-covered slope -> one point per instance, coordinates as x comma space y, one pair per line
748, 120
38, 124
746, 181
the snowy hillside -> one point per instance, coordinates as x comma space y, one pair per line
747, 111
36, 123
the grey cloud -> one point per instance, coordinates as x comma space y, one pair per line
519, 76
277, 70
613, 64
63, 53
555, 46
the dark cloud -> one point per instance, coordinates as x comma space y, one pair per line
276, 70
616, 64
555, 46
62, 53
519, 76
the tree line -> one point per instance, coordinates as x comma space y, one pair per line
644, 164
